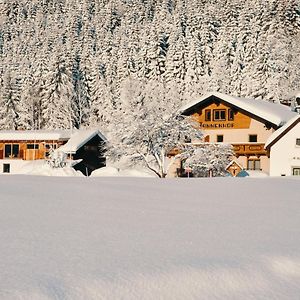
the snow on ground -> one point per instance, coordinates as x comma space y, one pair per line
40, 167
112, 171
144, 238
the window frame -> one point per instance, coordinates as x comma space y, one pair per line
230, 114
49, 146
219, 111
6, 168
7, 153
35, 146
297, 142
207, 114
220, 136
294, 169
14, 151
254, 160
252, 135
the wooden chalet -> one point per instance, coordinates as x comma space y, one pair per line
23, 146
244, 123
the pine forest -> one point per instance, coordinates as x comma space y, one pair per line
99, 63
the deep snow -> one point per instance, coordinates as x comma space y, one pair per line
145, 238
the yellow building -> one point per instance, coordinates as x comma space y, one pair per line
245, 123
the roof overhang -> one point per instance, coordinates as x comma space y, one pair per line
278, 134
274, 114
80, 138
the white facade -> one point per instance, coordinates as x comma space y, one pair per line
18, 166
237, 136
285, 150
241, 136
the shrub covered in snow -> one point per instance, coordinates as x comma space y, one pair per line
57, 159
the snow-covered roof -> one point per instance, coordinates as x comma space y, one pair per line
282, 131
78, 139
274, 113
234, 162
35, 135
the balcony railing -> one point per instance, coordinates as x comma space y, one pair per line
247, 149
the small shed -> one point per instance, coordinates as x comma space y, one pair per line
87, 146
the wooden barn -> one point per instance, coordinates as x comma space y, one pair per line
18, 147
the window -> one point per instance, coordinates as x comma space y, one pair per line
298, 142
296, 171
220, 138
11, 150
207, 115
7, 150
33, 146
253, 164
219, 114
50, 146
230, 115
253, 138
91, 148
206, 139
6, 168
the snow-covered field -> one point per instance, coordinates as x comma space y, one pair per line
145, 238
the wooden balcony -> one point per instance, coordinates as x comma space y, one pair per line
247, 149
250, 149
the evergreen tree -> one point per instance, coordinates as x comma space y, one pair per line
56, 107
180, 48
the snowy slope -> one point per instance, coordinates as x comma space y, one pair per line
125, 238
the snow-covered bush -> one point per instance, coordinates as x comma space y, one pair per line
57, 159
209, 159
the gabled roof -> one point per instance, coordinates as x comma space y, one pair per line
279, 133
35, 135
274, 113
234, 162
78, 139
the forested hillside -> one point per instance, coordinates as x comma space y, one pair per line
86, 63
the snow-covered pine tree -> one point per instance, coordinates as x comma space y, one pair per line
10, 98
56, 107
190, 46
81, 100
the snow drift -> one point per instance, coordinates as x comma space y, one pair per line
145, 238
